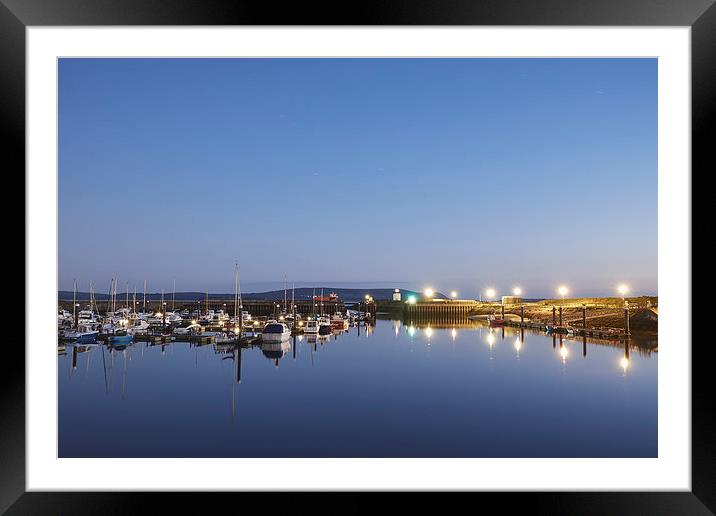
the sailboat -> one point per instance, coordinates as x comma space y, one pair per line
294, 319
118, 336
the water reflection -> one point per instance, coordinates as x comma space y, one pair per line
624, 362
322, 384
428, 333
275, 350
120, 356
563, 353
491, 339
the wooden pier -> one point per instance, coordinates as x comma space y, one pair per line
600, 333
153, 338
438, 311
200, 339
455, 311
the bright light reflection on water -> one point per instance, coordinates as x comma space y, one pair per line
395, 390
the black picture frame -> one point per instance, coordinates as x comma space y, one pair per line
17, 15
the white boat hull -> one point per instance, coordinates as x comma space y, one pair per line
275, 337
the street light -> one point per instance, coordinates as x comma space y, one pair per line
517, 291
623, 290
453, 294
562, 291
490, 293
429, 293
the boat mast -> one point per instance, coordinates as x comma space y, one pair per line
241, 305
126, 286
236, 291
285, 297
144, 301
174, 293
109, 296
74, 302
207, 302
134, 300
93, 302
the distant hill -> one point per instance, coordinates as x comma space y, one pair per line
303, 293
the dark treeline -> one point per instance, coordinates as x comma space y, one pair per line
302, 293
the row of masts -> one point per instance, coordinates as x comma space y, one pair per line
112, 301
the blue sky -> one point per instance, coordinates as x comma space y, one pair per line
454, 173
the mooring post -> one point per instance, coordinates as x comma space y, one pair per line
584, 315
554, 316
502, 307
560, 315
522, 314
626, 318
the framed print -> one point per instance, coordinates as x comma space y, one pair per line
431, 248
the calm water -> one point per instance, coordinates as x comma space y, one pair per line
395, 391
